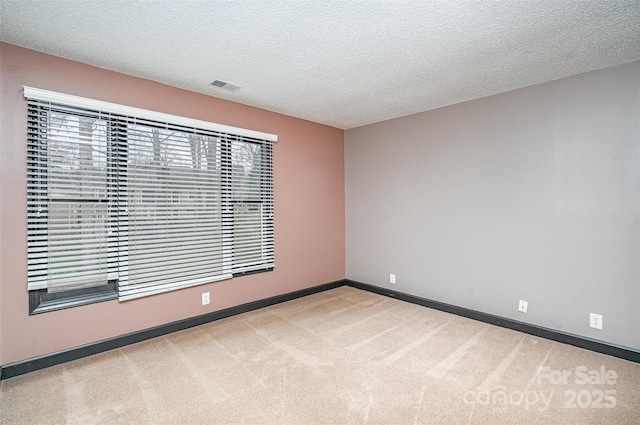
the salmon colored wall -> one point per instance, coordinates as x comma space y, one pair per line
308, 200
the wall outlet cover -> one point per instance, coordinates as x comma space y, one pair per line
523, 306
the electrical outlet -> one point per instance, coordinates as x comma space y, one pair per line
522, 307
392, 278
595, 320
205, 298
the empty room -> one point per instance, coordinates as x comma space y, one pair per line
319, 212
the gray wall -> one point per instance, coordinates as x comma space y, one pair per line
532, 194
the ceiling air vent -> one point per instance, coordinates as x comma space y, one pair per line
226, 85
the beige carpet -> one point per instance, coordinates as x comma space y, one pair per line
343, 356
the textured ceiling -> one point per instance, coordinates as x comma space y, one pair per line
341, 63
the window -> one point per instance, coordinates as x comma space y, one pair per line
251, 191
125, 203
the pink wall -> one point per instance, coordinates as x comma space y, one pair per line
308, 198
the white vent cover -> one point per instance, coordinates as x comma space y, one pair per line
226, 85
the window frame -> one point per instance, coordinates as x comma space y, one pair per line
40, 300
265, 200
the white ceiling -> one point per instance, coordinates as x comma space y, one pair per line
344, 63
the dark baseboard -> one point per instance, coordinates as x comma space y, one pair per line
29, 365
565, 338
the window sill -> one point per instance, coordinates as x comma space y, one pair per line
42, 302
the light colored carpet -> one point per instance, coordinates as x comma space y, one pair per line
343, 356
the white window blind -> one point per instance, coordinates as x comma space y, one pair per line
154, 205
252, 209
72, 241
